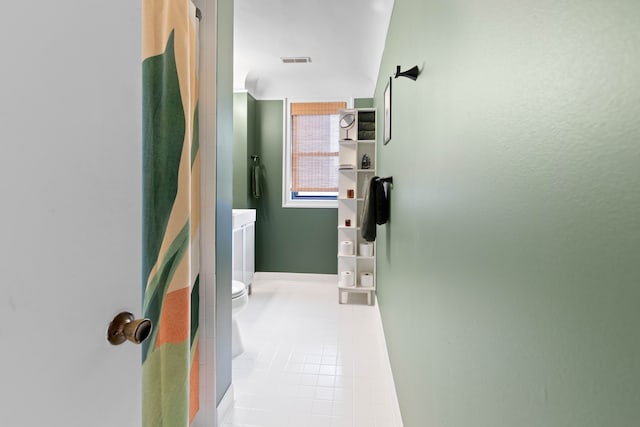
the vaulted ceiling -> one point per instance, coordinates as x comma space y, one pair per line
343, 38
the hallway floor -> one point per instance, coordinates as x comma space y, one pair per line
309, 361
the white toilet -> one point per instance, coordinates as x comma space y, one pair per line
239, 300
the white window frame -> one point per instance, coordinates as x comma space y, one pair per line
287, 201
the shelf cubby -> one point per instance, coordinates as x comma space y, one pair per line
354, 174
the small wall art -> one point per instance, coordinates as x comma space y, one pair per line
387, 113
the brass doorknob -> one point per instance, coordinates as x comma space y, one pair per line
125, 327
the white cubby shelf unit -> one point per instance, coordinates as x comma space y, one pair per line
356, 267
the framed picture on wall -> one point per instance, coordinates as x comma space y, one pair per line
387, 113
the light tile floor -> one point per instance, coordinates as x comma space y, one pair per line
309, 361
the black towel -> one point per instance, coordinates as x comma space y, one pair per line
366, 135
375, 209
368, 218
366, 116
366, 126
382, 203
256, 181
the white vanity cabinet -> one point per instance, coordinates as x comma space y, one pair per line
356, 264
243, 245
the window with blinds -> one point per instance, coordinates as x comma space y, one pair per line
314, 149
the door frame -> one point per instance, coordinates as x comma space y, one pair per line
207, 136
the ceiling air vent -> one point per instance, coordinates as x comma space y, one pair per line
296, 60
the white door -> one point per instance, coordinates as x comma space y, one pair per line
70, 221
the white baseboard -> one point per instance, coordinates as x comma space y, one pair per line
226, 404
268, 275
388, 374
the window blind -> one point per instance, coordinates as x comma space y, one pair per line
314, 146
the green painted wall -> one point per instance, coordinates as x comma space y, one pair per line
224, 142
509, 274
244, 146
363, 103
288, 239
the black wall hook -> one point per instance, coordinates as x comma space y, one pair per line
411, 73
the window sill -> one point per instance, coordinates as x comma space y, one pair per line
313, 204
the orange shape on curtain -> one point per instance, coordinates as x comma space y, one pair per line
174, 323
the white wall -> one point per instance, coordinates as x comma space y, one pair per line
70, 183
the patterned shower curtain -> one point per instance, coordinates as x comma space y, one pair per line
171, 212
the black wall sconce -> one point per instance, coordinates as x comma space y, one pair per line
411, 73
